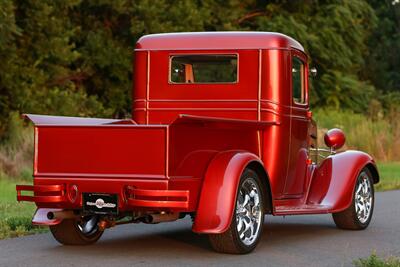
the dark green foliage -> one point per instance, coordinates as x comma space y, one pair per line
334, 33
75, 57
384, 62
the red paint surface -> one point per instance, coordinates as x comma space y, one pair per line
334, 138
217, 199
333, 182
192, 141
106, 150
217, 40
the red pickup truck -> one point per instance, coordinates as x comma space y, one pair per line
221, 130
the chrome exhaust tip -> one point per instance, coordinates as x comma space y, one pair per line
61, 215
50, 215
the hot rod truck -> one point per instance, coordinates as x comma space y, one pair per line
221, 130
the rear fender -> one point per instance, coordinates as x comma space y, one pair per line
218, 194
334, 179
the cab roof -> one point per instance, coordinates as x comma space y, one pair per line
217, 40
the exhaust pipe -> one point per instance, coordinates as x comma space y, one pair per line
161, 217
104, 224
61, 215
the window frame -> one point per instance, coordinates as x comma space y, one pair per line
303, 59
171, 56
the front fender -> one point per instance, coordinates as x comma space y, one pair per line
334, 180
218, 194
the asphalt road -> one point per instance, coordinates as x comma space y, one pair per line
287, 241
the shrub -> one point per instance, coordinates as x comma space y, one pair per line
16, 223
375, 261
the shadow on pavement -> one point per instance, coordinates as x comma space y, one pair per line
181, 240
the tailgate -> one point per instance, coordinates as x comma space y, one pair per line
112, 151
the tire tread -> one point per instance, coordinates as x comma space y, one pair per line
347, 219
228, 241
67, 233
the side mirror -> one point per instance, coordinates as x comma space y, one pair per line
313, 72
334, 139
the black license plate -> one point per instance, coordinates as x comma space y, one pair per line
97, 203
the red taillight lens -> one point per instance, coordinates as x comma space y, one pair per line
72, 193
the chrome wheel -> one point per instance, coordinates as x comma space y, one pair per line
245, 228
358, 215
363, 198
248, 212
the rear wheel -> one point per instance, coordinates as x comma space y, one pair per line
359, 214
247, 221
77, 232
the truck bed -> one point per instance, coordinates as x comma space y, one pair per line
147, 166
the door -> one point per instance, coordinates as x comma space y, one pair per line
294, 185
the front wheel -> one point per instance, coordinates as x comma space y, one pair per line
247, 221
77, 232
359, 214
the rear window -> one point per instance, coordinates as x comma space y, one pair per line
203, 69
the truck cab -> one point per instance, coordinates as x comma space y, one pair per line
237, 75
221, 130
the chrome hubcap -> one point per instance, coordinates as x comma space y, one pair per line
248, 212
363, 198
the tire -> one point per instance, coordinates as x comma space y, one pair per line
237, 239
353, 218
74, 232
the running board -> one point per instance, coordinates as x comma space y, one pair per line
303, 209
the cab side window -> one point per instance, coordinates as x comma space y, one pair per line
298, 83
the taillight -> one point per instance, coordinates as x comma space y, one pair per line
72, 193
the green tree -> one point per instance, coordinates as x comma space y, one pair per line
334, 33
75, 57
383, 65
8, 31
